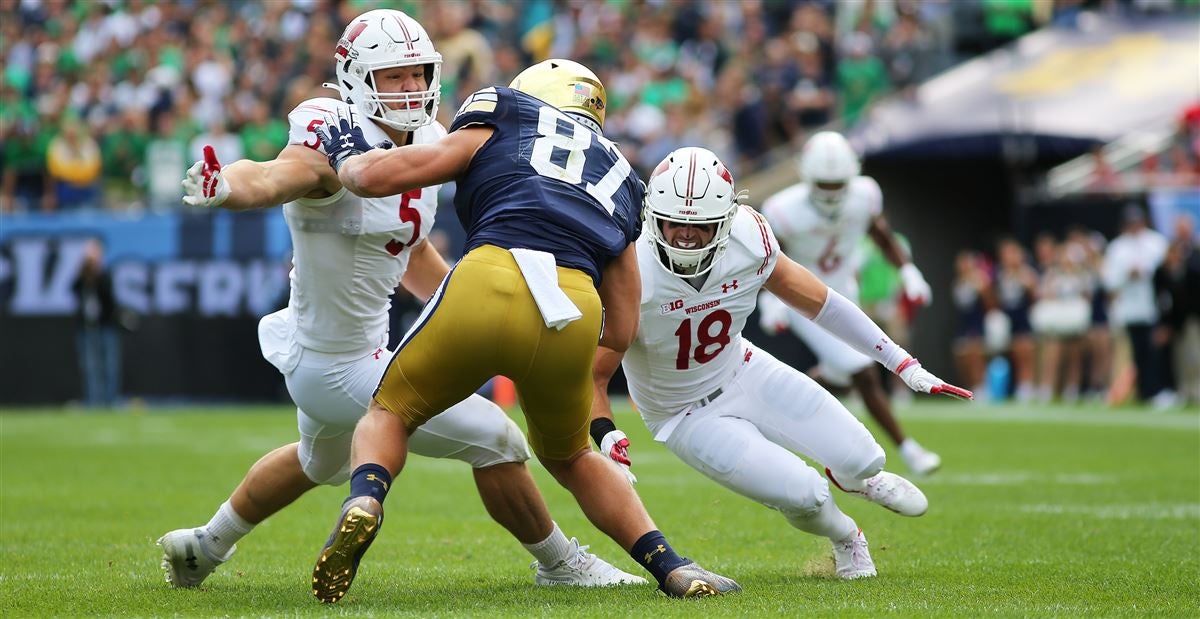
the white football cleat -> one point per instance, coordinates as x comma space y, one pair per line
919, 460
186, 560
583, 569
890, 491
852, 558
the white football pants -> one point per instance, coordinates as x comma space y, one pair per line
746, 440
332, 393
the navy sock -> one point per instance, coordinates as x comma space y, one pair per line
652, 552
370, 480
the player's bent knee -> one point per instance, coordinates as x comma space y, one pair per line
326, 473
325, 461
869, 465
507, 444
806, 491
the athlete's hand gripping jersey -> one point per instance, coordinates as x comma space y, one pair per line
690, 341
827, 246
545, 182
349, 253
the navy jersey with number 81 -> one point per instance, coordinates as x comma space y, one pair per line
544, 181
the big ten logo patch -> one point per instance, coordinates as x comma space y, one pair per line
667, 308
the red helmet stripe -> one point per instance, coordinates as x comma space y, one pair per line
356, 30
407, 37
691, 179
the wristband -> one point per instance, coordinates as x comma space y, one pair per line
601, 426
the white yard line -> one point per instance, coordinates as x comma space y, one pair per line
1149, 511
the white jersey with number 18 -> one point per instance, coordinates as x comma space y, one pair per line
690, 341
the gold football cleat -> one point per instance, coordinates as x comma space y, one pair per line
356, 529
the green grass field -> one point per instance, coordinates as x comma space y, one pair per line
1037, 512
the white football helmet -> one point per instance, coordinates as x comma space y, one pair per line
691, 186
827, 164
383, 39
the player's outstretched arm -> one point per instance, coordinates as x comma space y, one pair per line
798, 287
913, 281
426, 270
297, 172
380, 172
612, 442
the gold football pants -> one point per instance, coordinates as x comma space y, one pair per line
483, 322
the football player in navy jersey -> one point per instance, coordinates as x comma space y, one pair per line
551, 208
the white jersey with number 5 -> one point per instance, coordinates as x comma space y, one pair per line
349, 253
690, 341
827, 246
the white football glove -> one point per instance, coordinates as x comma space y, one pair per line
915, 286
922, 381
773, 317
204, 185
615, 447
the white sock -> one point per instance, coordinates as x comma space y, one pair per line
829, 521
552, 550
225, 529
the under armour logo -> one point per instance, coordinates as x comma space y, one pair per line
725, 288
377, 353
191, 558
878, 347
651, 554
373, 477
347, 141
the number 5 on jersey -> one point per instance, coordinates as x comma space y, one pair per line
410, 215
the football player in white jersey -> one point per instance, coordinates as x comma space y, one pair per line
821, 222
350, 253
725, 407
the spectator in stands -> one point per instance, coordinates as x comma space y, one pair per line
227, 145
25, 185
263, 135
812, 98
1099, 336
73, 162
1060, 318
972, 298
166, 162
907, 51
1177, 288
861, 77
1005, 20
1016, 291
97, 314
123, 151
1129, 265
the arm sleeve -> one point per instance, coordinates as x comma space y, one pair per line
848, 323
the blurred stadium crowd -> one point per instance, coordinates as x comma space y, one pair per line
1085, 318
106, 102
